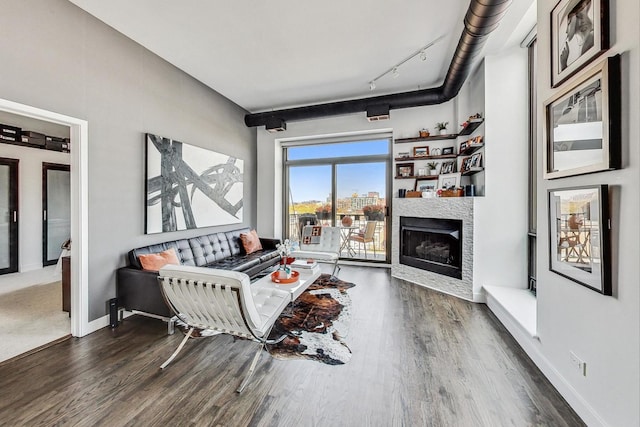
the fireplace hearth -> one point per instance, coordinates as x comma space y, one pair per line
432, 244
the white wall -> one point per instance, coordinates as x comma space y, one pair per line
30, 200
604, 331
501, 216
59, 58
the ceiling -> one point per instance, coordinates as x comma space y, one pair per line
266, 55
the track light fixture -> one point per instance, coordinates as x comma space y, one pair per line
394, 70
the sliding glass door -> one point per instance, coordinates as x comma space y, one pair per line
56, 210
341, 184
8, 215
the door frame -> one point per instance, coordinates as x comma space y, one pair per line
333, 163
45, 208
79, 133
14, 248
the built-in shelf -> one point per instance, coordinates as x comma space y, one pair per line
444, 156
426, 138
471, 126
471, 148
418, 177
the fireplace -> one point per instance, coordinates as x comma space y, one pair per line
432, 244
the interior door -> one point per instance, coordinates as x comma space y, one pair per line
56, 210
8, 215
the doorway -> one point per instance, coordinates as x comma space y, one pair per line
56, 210
8, 215
79, 136
341, 184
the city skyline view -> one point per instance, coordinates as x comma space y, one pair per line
313, 182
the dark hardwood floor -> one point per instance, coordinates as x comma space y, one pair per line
420, 358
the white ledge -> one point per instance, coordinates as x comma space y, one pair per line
519, 304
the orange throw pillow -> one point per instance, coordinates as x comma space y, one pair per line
251, 242
155, 262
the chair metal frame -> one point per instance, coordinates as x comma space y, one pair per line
367, 237
213, 306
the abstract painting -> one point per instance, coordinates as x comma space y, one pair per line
190, 187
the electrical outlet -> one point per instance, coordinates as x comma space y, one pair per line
579, 364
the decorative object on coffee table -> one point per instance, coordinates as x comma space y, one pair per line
285, 248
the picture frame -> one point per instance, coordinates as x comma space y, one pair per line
465, 164
213, 185
420, 151
579, 33
449, 180
448, 167
476, 160
404, 169
404, 154
579, 236
426, 184
582, 128
447, 151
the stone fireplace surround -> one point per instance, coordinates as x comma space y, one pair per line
445, 208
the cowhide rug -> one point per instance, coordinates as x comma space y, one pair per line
318, 324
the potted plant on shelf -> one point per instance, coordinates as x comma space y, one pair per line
442, 127
433, 166
373, 212
323, 212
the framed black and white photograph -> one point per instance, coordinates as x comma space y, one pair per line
579, 236
190, 187
448, 167
404, 169
579, 33
426, 184
447, 150
449, 180
582, 126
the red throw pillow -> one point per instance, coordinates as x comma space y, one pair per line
251, 242
155, 262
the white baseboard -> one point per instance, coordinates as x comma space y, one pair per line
103, 322
531, 346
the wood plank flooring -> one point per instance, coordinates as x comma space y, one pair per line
420, 358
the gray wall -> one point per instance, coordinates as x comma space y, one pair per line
59, 58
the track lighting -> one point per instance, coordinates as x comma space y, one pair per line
395, 71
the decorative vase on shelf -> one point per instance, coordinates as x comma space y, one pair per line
443, 131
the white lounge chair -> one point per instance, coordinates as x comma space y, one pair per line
328, 249
221, 301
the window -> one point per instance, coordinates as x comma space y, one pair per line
340, 184
533, 162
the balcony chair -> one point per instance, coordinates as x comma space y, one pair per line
366, 237
221, 301
328, 249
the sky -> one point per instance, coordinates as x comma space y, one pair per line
314, 182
